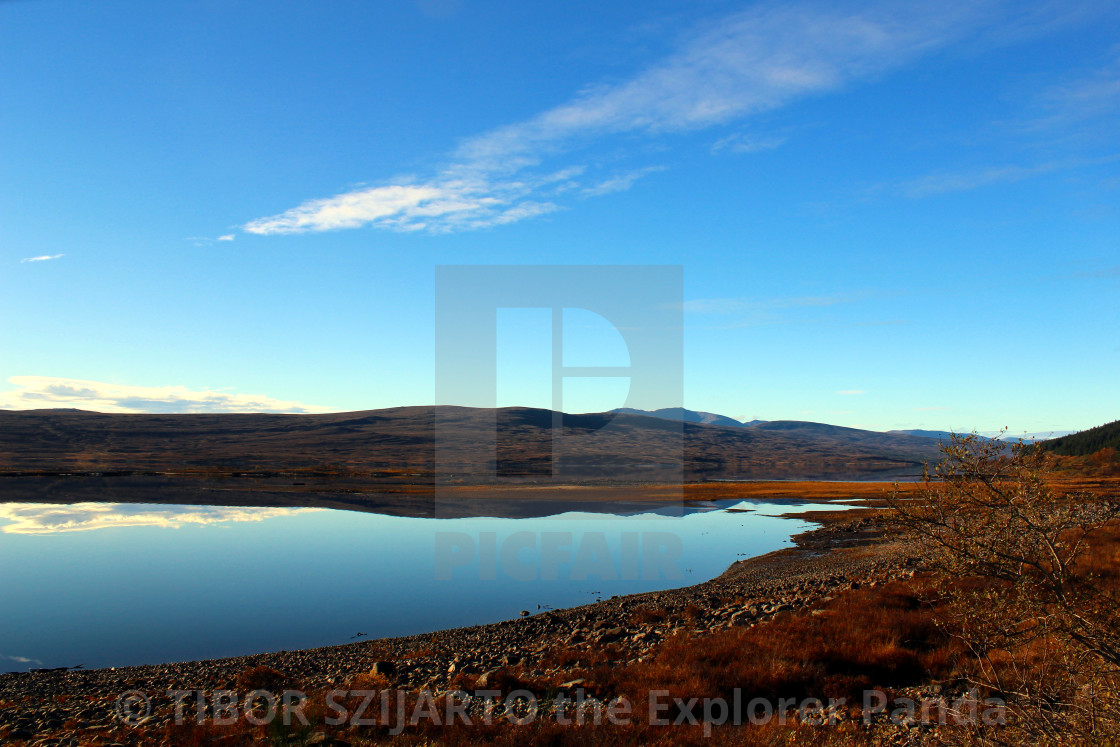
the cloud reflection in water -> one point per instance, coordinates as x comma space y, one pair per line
54, 518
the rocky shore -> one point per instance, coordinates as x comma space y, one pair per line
847, 551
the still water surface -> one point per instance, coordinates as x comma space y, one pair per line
103, 584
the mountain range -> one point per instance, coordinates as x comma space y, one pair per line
401, 444
690, 416
711, 418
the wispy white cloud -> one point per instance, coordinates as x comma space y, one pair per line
728, 69
748, 62
207, 241
55, 518
43, 258
962, 181
1091, 96
619, 182
449, 202
850, 392
741, 142
969, 179
44, 392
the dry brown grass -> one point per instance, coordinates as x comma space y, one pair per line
874, 637
263, 678
575, 657
1102, 464
369, 681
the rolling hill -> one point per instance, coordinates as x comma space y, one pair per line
400, 444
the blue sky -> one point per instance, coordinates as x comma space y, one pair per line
888, 215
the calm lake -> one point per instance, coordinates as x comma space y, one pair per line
103, 584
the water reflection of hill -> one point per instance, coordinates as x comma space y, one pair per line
416, 500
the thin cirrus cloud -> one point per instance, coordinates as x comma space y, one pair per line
969, 179
963, 181
1091, 96
618, 183
740, 142
730, 68
201, 241
1078, 110
43, 258
48, 392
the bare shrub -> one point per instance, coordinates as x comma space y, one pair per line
1043, 626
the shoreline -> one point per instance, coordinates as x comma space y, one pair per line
702, 498
847, 550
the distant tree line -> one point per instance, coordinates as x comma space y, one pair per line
1086, 442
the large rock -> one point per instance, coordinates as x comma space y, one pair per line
611, 635
485, 679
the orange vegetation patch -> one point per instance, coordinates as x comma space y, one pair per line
882, 637
810, 491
